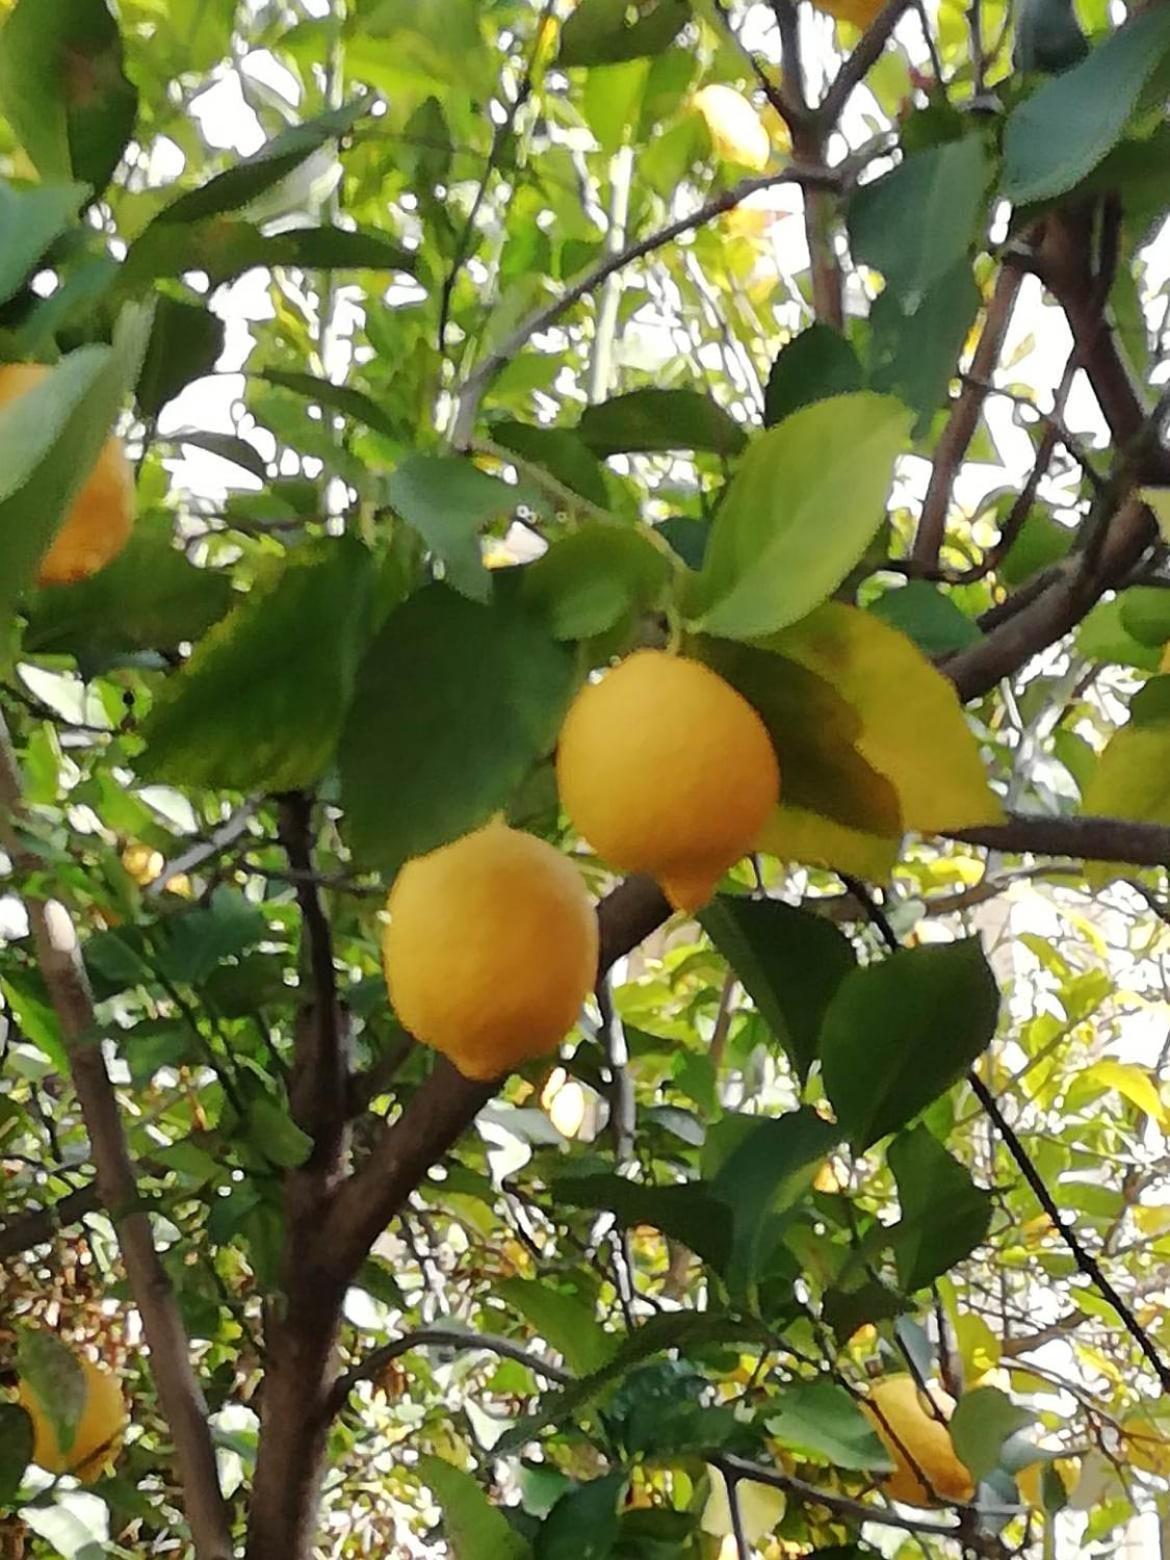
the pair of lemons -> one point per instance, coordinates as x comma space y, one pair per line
491, 946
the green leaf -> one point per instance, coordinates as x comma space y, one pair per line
1145, 613
1055, 138
200, 938
185, 344
789, 961
468, 698
802, 508
982, 1422
652, 420
63, 88
1103, 636
25, 994
583, 1525
228, 447
588, 582
273, 1132
16, 1445
1042, 541
944, 1215
918, 222
820, 1419
226, 247
50, 439
475, 1529
561, 452
54, 1377
149, 598
914, 355
565, 1321
900, 1032
600, 32
448, 501
237, 186
687, 1211
761, 1177
928, 616
30, 220
814, 366
335, 398
1132, 776
260, 704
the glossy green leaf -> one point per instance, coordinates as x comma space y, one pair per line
30, 219
1056, 137
914, 355
475, 1529
928, 616
944, 1215
566, 1321
789, 961
815, 365
448, 501
185, 344
260, 704
651, 420
687, 1211
559, 451
588, 582
899, 1032
806, 501
819, 1419
583, 1525
468, 698
63, 88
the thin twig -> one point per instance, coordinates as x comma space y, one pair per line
442, 1338
867, 53
202, 851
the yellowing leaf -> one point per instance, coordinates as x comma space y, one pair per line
1159, 501
1131, 780
760, 1507
795, 834
979, 1348
1146, 1447
1153, 1219
912, 725
1135, 1083
737, 131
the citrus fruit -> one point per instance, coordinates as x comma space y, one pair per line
918, 1442
491, 949
98, 525
98, 1433
664, 768
860, 12
737, 132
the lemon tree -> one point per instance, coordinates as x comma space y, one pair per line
584, 733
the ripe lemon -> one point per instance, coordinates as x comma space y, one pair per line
664, 768
98, 526
861, 13
737, 132
491, 949
918, 1442
99, 1429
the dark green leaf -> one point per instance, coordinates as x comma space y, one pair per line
63, 88
688, 1212
917, 223
272, 1131
260, 704
468, 697
816, 364
54, 1377
900, 1032
914, 356
50, 439
583, 1525
149, 598
600, 32
16, 1444
561, 452
983, 1421
687, 536
228, 447
475, 1529
185, 344
659, 420
928, 616
770, 1166
803, 506
1057, 137
237, 186
448, 501
30, 219
944, 1215
789, 961
588, 582
335, 398
820, 1419
845, 1310
25, 994
566, 1321
199, 938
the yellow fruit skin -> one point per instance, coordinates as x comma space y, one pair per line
98, 525
918, 1443
664, 768
490, 950
737, 131
860, 12
99, 1430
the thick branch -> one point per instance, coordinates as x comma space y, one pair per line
59, 958
39, 1225
1084, 838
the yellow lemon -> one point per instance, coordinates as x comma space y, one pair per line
860, 12
919, 1443
491, 949
98, 525
98, 1433
664, 768
737, 132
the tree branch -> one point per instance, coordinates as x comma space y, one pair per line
204, 850
1085, 838
867, 53
443, 1338
39, 1225
59, 958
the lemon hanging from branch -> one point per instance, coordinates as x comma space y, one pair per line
76, 1406
737, 132
927, 1470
